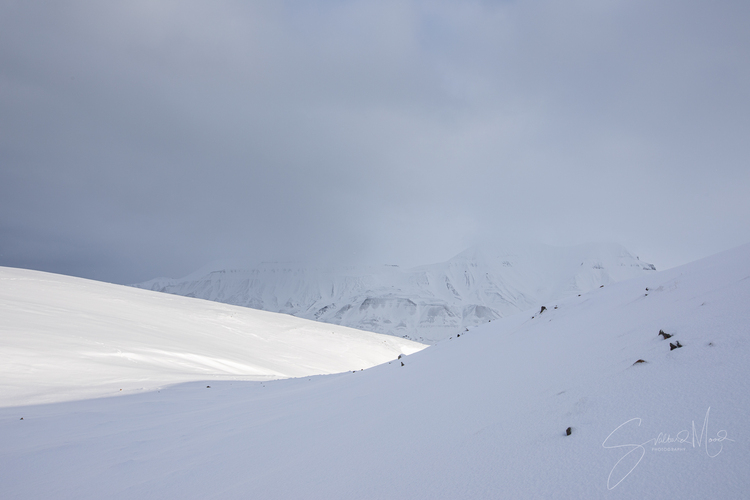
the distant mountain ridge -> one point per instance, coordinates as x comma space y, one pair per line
425, 303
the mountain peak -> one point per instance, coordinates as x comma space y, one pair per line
426, 303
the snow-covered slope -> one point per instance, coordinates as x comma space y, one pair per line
427, 303
479, 416
64, 337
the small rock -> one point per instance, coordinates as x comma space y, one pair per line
568, 431
542, 310
402, 363
208, 387
665, 335
639, 361
21, 418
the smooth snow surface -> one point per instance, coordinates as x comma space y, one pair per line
478, 416
426, 303
64, 338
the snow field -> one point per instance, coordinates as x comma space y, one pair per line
479, 416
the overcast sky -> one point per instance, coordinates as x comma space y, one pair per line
145, 139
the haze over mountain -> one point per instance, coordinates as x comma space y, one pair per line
140, 140
426, 303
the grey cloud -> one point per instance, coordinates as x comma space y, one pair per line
141, 139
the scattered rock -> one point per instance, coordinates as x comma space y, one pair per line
665, 335
639, 361
21, 418
711, 343
399, 357
542, 310
402, 363
568, 431
208, 387
601, 286
673, 347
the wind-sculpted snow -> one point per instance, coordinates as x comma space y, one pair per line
427, 303
64, 337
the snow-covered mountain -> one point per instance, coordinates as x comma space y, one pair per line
63, 337
427, 303
480, 416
